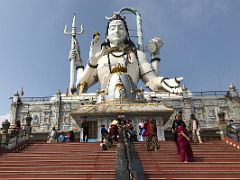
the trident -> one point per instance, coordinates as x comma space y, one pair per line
74, 53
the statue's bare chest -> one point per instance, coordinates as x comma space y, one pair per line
117, 59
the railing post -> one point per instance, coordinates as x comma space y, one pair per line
5, 135
4, 140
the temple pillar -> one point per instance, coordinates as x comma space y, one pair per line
57, 104
99, 134
187, 105
16, 101
81, 135
160, 129
234, 98
222, 125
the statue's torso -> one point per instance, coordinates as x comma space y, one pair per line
108, 62
118, 74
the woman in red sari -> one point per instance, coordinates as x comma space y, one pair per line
185, 150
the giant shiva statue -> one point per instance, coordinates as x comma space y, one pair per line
118, 65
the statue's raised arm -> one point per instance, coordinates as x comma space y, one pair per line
89, 76
95, 52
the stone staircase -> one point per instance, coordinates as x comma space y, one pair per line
59, 161
213, 160
71, 161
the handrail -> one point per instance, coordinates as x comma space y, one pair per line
17, 140
127, 166
134, 165
122, 169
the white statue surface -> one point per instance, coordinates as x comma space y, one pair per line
118, 61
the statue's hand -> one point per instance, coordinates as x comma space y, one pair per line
96, 52
172, 85
95, 47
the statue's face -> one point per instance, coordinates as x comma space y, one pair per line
116, 32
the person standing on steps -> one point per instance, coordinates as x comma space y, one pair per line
113, 130
194, 129
85, 128
176, 122
71, 136
104, 132
52, 137
152, 143
183, 143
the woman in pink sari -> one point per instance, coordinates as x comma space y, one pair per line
185, 150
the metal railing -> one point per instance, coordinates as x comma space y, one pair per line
127, 166
36, 99
210, 93
233, 131
151, 95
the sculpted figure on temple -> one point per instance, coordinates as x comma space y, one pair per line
118, 61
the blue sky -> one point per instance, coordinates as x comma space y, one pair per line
201, 41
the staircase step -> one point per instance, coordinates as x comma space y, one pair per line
59, 161
215, 160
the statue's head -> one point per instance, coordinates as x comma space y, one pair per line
117, 23
114, 18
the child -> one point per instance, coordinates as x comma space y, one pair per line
104, 132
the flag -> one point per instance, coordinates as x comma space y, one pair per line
67, 92
21, 92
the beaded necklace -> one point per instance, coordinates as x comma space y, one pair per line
125, 49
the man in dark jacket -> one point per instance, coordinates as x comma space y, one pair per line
85, 128
177, 122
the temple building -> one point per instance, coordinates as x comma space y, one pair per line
55, 111
118, 65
